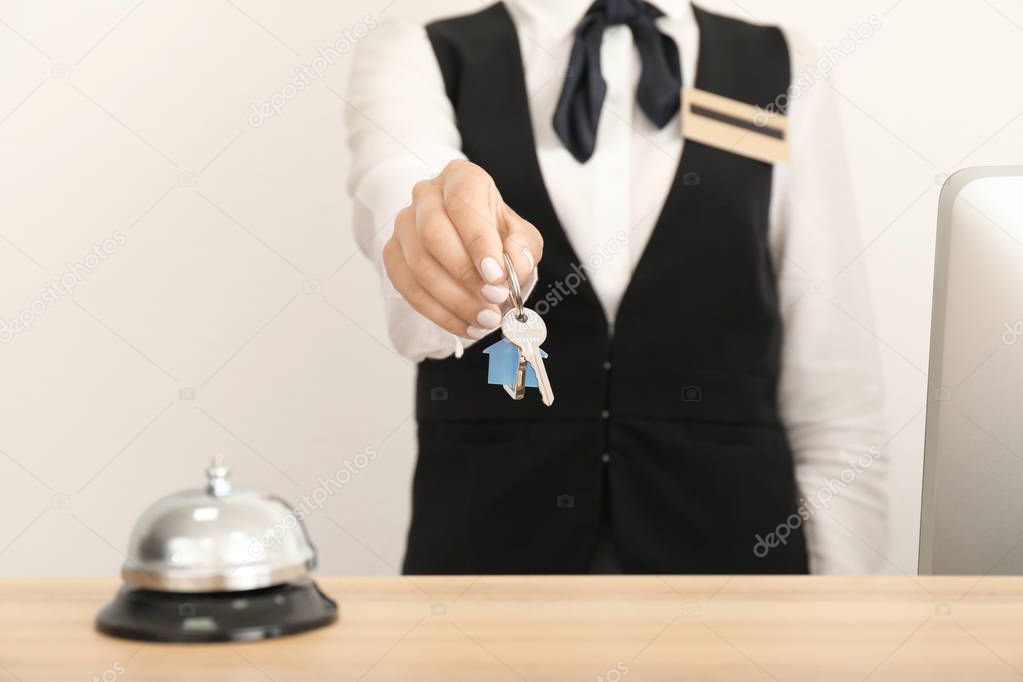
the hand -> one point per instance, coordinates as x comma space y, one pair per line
446, 254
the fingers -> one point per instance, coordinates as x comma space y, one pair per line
446, 257
472, 203
419, 298
476, 314
436, 237
523, 244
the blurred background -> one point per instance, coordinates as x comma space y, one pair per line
187, 283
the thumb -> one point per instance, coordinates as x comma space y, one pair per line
522, 242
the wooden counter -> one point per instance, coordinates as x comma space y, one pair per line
563, 628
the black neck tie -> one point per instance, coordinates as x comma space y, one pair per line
660, 81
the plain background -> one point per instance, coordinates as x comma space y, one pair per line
238, 316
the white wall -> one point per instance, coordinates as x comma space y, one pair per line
233, 274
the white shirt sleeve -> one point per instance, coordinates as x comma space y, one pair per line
830, 392
401, 129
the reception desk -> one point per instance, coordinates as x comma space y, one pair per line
559, 628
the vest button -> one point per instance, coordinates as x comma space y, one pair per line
605, 458
604, 414
607, 365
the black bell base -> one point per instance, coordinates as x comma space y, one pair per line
154, 616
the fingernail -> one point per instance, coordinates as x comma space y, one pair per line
494, 294
529, 256
491, 269
488, 319
476, 332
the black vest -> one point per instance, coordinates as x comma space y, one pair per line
680, 401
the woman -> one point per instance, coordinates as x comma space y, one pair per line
696, 420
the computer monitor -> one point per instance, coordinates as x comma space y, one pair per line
972, 514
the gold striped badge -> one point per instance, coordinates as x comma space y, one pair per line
734, 126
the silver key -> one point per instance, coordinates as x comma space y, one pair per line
526, 329
518, 392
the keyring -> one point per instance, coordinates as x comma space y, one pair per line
516, 293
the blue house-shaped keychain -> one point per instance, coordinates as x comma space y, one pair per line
503, 358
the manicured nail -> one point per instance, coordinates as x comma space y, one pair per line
488, 319
491, 270
494, 294
476, 332
529, 256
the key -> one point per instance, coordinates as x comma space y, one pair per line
526, 329
518, 392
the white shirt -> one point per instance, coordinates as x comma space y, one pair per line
402, 129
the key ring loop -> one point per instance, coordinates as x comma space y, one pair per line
516, 292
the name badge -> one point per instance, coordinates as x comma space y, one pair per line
755, 132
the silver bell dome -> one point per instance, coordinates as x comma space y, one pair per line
217, 539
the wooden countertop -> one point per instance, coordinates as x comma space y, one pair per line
560, 628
